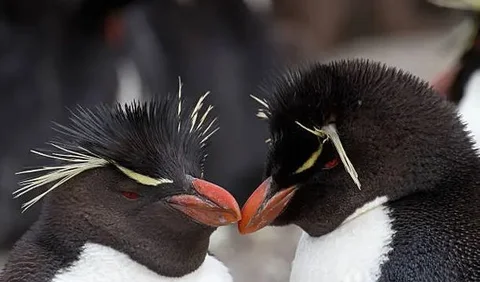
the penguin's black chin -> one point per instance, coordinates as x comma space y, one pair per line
211, 205
264, 206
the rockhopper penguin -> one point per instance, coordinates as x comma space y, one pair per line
127, 201
377, 170
460, 83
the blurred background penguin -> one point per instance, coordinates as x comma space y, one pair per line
55, 54
460, 83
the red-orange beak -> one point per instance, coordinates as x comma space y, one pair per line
212, 206
262, 207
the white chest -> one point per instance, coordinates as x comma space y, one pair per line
470, 104
99, 263
353, 252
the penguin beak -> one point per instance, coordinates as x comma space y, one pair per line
263, 207
212, 205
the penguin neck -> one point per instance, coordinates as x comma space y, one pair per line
165, 253
355, 251
99, 263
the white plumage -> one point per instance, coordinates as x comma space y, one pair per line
469, 106
98, 263
354, 252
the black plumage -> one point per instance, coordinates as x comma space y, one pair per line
150, 138
405, 143
58, 61
106, 205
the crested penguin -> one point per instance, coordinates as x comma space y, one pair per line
376, 169
460, 83
127, 201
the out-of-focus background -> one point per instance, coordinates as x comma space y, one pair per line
57, 53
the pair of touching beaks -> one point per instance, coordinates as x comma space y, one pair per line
215, 206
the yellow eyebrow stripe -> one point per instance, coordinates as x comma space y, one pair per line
311, 160
143, 179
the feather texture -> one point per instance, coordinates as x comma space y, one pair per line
150, 142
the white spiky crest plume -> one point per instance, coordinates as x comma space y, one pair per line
194, 116
330, 132
263, 113
78, 160
75, 163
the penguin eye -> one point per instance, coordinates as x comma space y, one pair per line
130, 195
331, 164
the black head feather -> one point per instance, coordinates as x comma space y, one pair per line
400, 136
103, 199
163, 139
147, 137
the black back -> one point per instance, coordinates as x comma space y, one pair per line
436, 236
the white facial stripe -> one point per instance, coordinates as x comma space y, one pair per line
330, 131
311, 160
143, 179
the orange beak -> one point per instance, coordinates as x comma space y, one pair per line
212, 206
262, 208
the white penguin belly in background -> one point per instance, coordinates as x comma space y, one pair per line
99, 263
354, 252
469, 106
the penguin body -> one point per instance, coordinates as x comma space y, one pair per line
99, 263
406, 240
95, 260
352, 252
377, 170
126, 201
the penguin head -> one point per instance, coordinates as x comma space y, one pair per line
343, 134
132, 176
453, 82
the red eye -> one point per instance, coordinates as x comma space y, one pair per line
331, 164
130, 195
